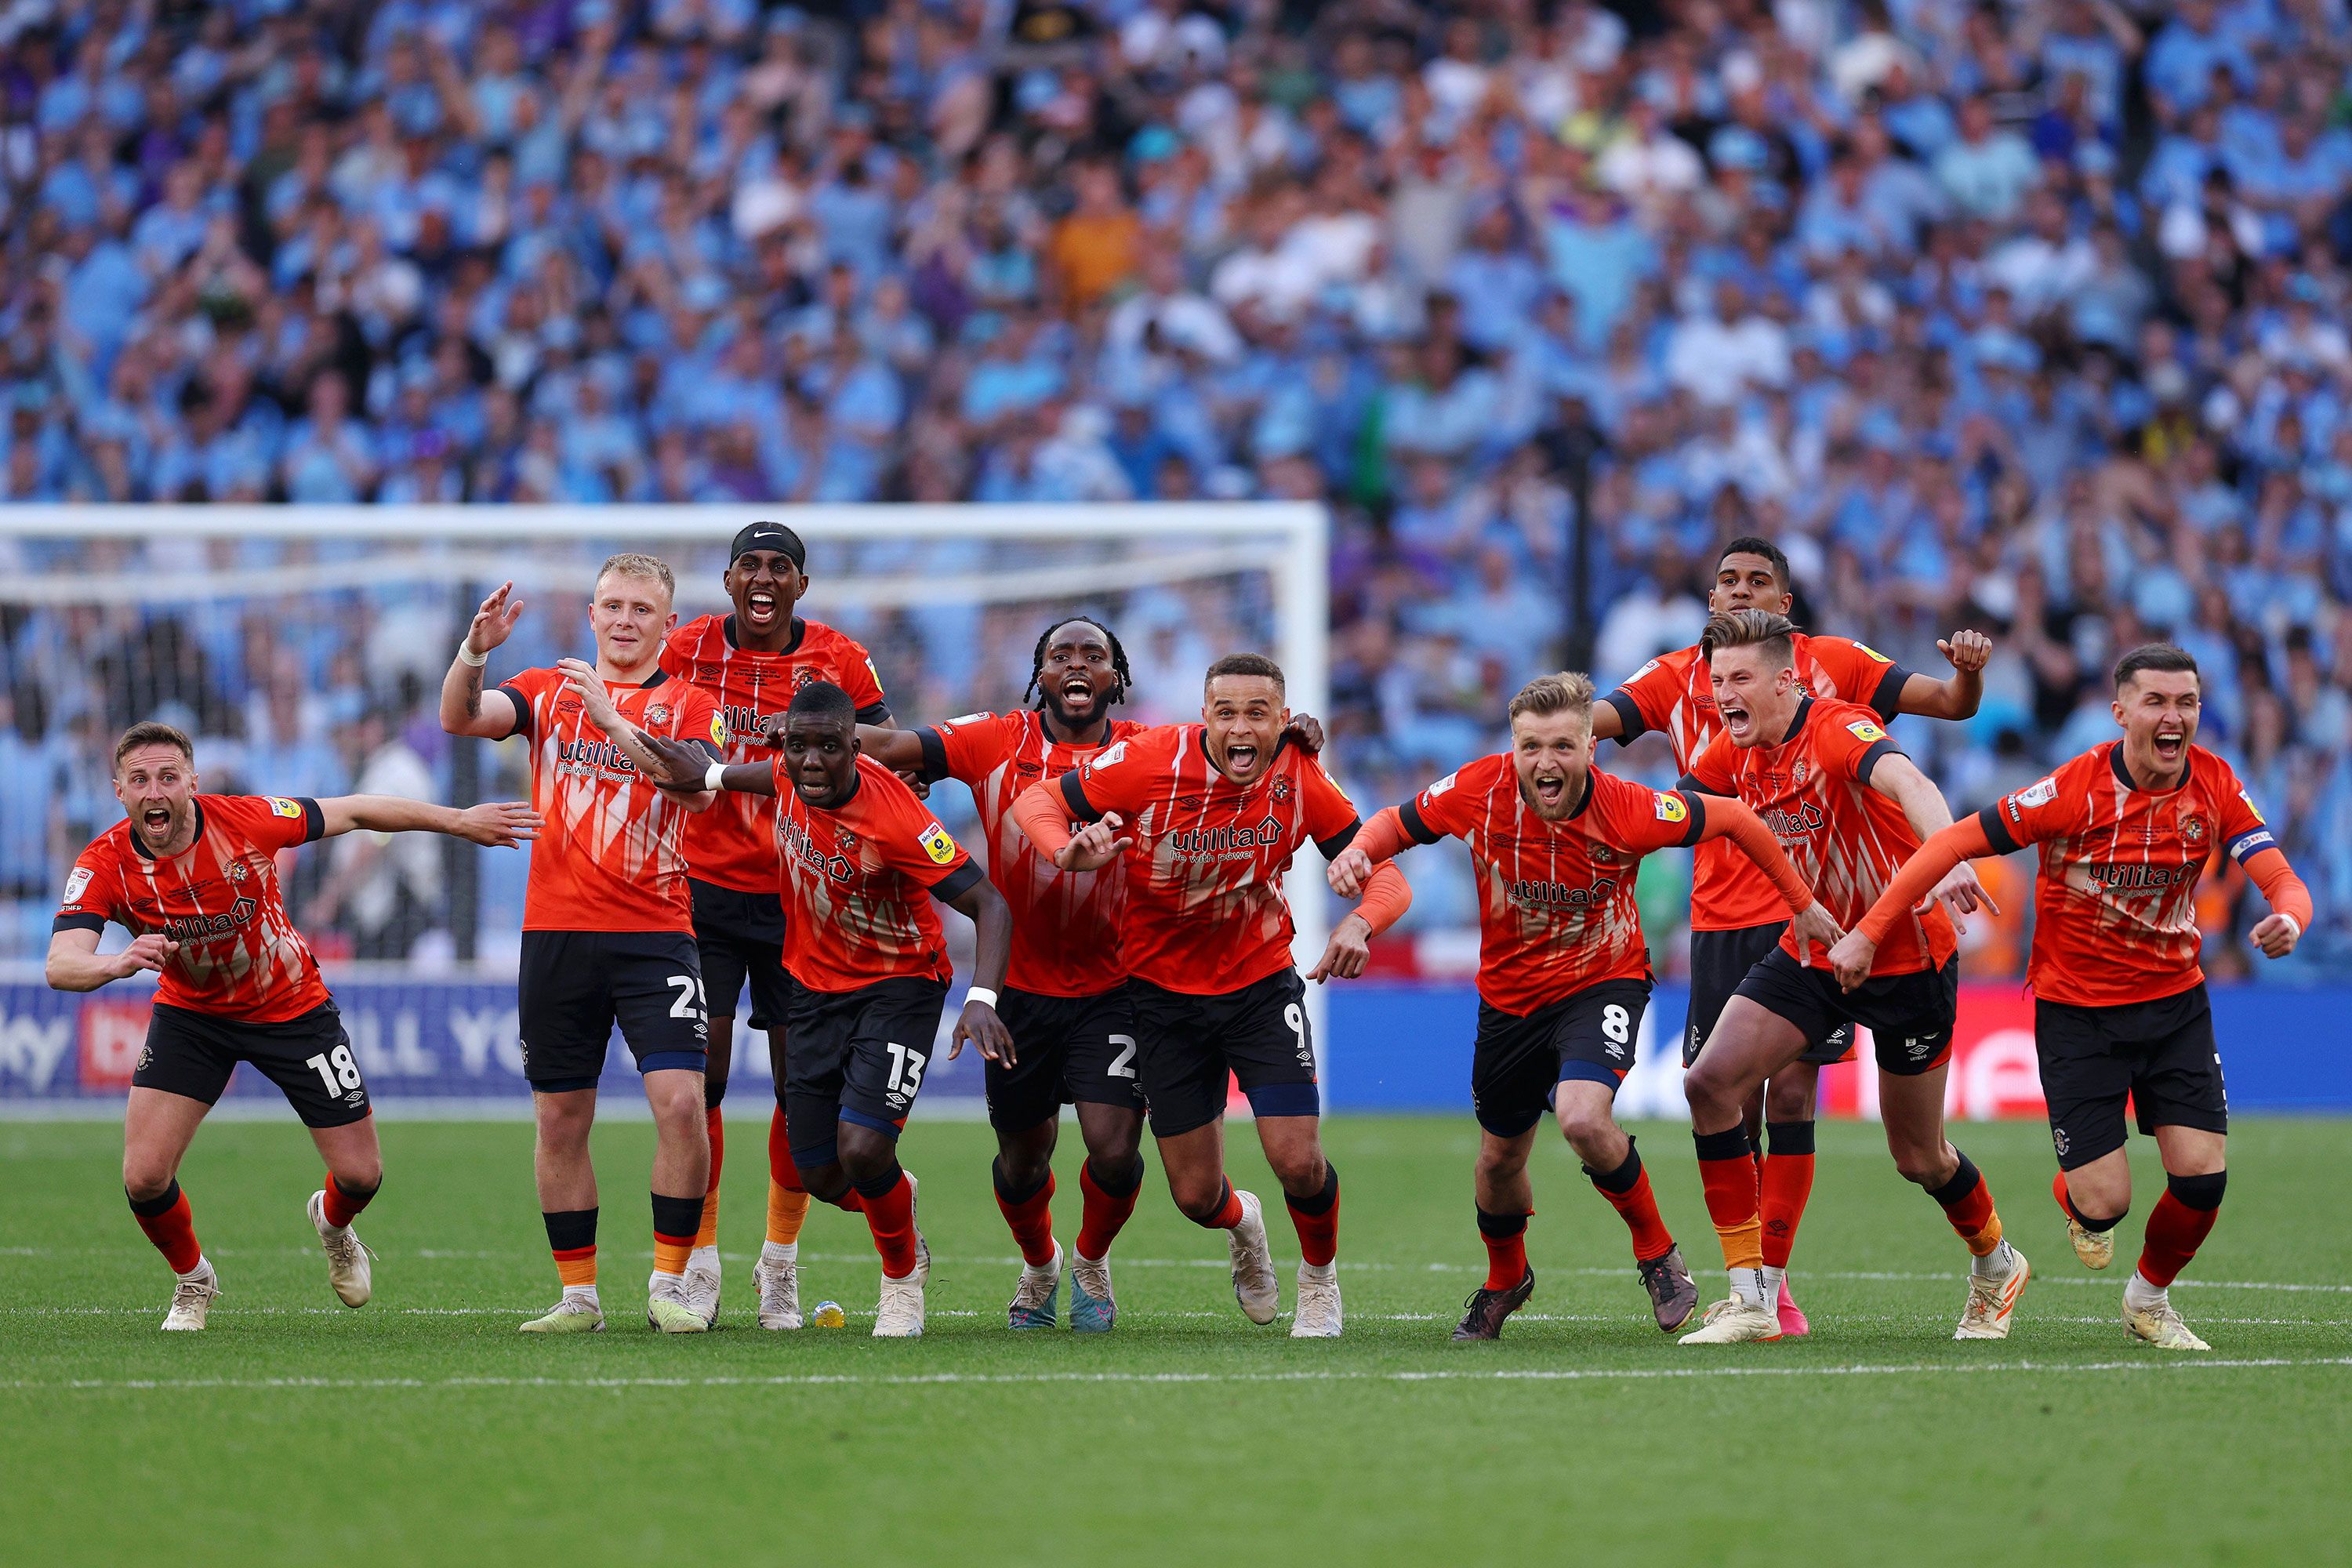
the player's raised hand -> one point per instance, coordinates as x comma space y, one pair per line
684, 765
1095, 846
1307, 730
495, 621
981, 1025
1850, 959
2276, 935
150, 951
597, 702
1345, 955
1965, 650
1816, 924
1347, 872
1962, 893
500, 824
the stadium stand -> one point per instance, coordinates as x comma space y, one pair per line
2023, 317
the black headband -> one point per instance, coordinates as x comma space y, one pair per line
770, 536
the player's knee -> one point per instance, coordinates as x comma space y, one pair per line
1707, 1087
867, 1156
1022, 1165
1198, 1199
1298, 1170
1925, 1166
145, 1179
1588, 1126
358, 1175
1786, 1101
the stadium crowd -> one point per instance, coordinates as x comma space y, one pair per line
2024, 317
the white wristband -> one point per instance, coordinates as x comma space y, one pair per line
466, 654
713, 774
979, 993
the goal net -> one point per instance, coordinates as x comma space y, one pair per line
304, 648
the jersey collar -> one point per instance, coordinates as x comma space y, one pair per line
800, 630
2123, 772
1797, 724
140, 845
1045, 736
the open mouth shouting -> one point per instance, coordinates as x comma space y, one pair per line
1078, 693
156, 821
1550, 792
761, 608
1736, 717
1241, 758
2172, 744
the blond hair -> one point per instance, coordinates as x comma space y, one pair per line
631, 564
1750, 628
1570, 691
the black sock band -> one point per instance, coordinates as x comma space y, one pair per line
2085, 1221
1731, 1143
1321, 1201
356, 1196
879, 1186
1129, 1178
1006, 1192
148, 1208
1789, 1137
677, 1216
1621, 1180
2198, 1192
569, 1230
714, 1092
1964, 1181
1501, 1227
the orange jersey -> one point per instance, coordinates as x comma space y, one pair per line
2115, 905
1672, 694
734, 843
1065, 925
1555, 907
608, 859
1846, 839
859, 878
1206, 913
239, 956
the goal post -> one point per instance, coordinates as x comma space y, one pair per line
407, 572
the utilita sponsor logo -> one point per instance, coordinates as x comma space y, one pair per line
584, 753
196, 928
1266, 835
796, 843
1787, 825
1561, 895
2131, 879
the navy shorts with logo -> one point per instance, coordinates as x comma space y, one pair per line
1187, 1047
1910, 1016
1719, 960
1064, 1049
308, 1056
856, 1057
2161, 1053
1520, 1062
574, 986
740, 938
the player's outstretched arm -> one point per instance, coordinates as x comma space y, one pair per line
1042, 812
1899, 778
1957, 695
992, 920
1387, 896
900, 751
75, 964
686, 768
500, 824
2289, 902
1380, 840
466, 708
1733, 820
1940, 856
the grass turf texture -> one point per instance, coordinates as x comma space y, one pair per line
434, 1431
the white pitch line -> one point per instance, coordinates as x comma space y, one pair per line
1489, 1374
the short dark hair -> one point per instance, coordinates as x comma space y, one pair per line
1749, 628
822, 699
1248, 664
2155, 656
1749, 544
149, 733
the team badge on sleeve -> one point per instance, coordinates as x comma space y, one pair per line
1871, 653
280, 806
1439, 787
2246, 796
77, 885
718, 728
1673, 809
1110, 756
1865, 731
938, 844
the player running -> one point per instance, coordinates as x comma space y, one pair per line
1850, 808
1563, 975
1216, 810
1735, 919
607, 927
751, 661
869, 972
2119, 1005
194, 879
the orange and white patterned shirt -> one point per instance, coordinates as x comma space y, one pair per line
239, 956
609, 857
859, 882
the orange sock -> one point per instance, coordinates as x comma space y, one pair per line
890, 1216
1727, 1173
172, 1226
1029, 1215
1967, 1201
788, 1201
1787, 1182
1104, 1212
1627, 1188
707, 1234
674, 1222
572, 1238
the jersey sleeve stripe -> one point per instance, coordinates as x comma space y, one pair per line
314, 820
1996, 831
1410, 815
521, 710
81, 922
935, 753
1697, 829
1337, 845
1629, 714
1880, 750
1887, 701
876, 713
1688, 784
2253, 841
959, 882
1073, 796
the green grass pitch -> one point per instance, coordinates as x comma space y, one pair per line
423, 1429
